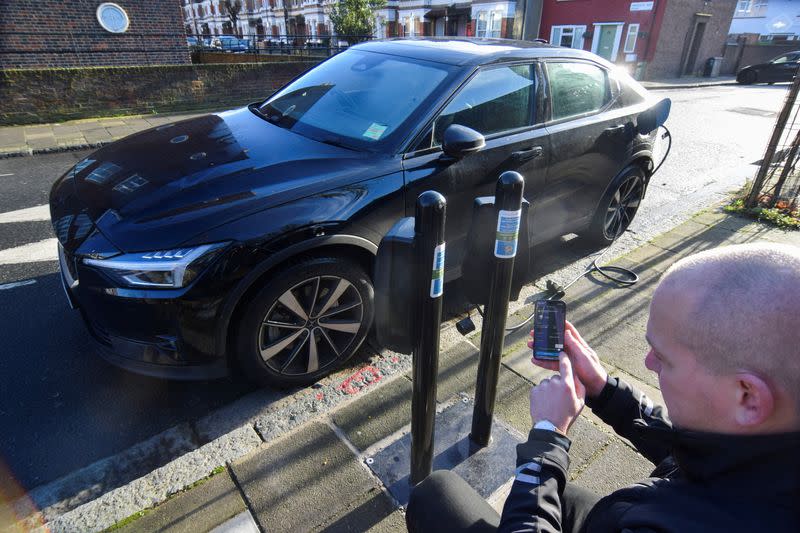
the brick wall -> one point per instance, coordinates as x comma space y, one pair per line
676, 32
66, 33
29, 96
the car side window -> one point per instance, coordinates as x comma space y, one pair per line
576, 88
493, 101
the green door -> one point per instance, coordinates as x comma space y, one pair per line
605, 45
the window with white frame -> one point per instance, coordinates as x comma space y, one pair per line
744, 6
495, 23
489, 24
408, 26
480, 27
568, 36
630, 38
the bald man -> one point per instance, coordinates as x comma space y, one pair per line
724, 336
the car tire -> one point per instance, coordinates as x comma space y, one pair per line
618, 206
747, 77
305, 322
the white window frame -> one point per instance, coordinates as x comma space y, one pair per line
633, 31
494, 25
482, 17
596, 38
744, 6
577, 35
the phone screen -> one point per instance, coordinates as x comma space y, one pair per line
548, 329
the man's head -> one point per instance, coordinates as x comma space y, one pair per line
724, 333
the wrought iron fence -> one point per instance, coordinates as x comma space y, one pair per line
24, 49
777, 183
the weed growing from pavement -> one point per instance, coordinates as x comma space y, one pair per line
782, 216
135, 516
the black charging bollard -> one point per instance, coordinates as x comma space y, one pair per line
429, 286
508, 201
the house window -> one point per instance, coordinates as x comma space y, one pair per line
489, 24
480, 29
744, 6
409, 26
630, 38
567, 36
495, 22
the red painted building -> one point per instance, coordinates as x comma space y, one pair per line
652, 39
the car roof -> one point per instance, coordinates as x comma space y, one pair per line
472, 51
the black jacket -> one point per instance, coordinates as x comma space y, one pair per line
704, 482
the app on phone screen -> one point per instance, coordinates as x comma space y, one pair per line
548, 338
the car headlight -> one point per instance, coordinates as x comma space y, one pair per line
166, 269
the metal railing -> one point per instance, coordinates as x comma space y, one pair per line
26, 49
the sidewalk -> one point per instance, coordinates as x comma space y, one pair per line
689, 82
93, 133
314, 469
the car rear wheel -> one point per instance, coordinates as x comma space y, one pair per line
308, 320
618, 207
747, 77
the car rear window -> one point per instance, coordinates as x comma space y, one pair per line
356, 98
576, 88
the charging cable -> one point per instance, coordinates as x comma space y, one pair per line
617, 274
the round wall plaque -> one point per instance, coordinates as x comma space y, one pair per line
112, 18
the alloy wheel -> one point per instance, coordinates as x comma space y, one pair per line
623, 207
311, 325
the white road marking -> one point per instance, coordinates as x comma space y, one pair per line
30, 214
46, 250
17, 284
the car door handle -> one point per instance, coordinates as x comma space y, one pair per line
616, 129
527, 154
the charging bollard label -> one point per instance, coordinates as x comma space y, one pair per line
437, 278
505, 244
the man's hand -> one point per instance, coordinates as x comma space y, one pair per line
588, 369
559, 398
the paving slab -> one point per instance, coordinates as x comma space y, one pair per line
617, 466
458, 370
301, 482
204, 507
377, 415
374, 513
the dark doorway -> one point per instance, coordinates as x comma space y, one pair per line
694, 47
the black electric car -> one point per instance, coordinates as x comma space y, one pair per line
781, 68
246, 238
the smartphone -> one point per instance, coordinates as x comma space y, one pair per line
548, 329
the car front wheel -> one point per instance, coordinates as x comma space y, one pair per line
747, 77
618, 207
305, 322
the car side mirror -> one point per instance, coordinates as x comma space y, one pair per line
460, 141
654, 117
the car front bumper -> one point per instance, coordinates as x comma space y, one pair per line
159, 333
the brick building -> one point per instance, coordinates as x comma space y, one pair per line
653, 39
308, 18
70, 33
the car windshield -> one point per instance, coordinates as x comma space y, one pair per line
358, 99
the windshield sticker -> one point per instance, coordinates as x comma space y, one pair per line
375, 131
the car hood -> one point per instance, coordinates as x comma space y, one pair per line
160, 187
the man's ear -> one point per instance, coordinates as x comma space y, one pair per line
755, 401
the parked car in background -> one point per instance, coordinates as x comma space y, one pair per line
246, 239
192, 42
228, 43
782, 68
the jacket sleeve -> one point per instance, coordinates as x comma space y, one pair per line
620, 405
534, 503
